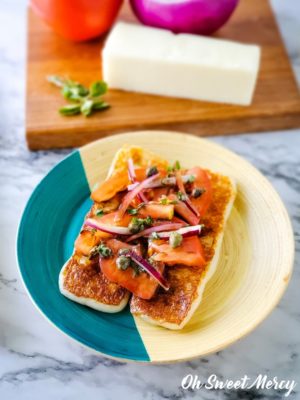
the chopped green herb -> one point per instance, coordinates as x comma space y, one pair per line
177, 165
169, 169
181, 196
191, 179
99, 212
175, 239
132, 211
165, 201
85, 100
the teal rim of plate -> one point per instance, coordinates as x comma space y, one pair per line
49, 225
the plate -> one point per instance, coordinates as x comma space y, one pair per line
253, 271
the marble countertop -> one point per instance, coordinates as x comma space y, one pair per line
37, 361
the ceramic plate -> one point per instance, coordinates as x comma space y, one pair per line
253, 271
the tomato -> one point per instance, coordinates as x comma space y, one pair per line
182, 209
189, 253
141, 285
78, 20
202, 181
157, 211
89, 238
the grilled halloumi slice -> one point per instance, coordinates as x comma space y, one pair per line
80, 279
173, 309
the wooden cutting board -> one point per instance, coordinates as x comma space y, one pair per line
276, 103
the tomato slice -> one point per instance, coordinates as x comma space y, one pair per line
141, 285
110, 187
88, 238
189, 253
157, 211
202, 181
182, 209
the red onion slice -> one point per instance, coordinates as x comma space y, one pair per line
131, 171
158, 228
170, 181
114, 230
131, 195
186, 200
149, 269
187, 231
132, 177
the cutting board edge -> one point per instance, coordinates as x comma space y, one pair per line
57, 139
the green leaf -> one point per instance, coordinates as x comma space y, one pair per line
98, 88
86, 100
74, 91
100, 105
70, 109
87, 107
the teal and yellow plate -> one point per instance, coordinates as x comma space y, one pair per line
253, 271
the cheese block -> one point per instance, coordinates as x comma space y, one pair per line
156, 61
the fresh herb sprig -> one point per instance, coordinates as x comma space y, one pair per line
83, 100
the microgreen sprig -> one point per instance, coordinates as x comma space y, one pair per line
83, 100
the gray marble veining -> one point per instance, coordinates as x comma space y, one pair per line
37, 361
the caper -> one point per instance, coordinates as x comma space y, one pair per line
151, 171
104, 251
123, 252
197, 192
123, 262
134, 225
138, 224
175, 239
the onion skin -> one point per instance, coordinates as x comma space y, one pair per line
202, 17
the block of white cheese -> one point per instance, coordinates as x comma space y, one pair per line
156, 61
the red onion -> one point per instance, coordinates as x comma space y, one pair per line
183, 210
114, 230
184, 16
170, 181
132, 177
131, 171
132, 194
158, 228
149, 268
187, 231
186, 200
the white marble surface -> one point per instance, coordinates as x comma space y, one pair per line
37, 361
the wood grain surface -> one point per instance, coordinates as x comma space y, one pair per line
276, 103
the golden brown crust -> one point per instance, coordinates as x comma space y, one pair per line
173, 306
86, 280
